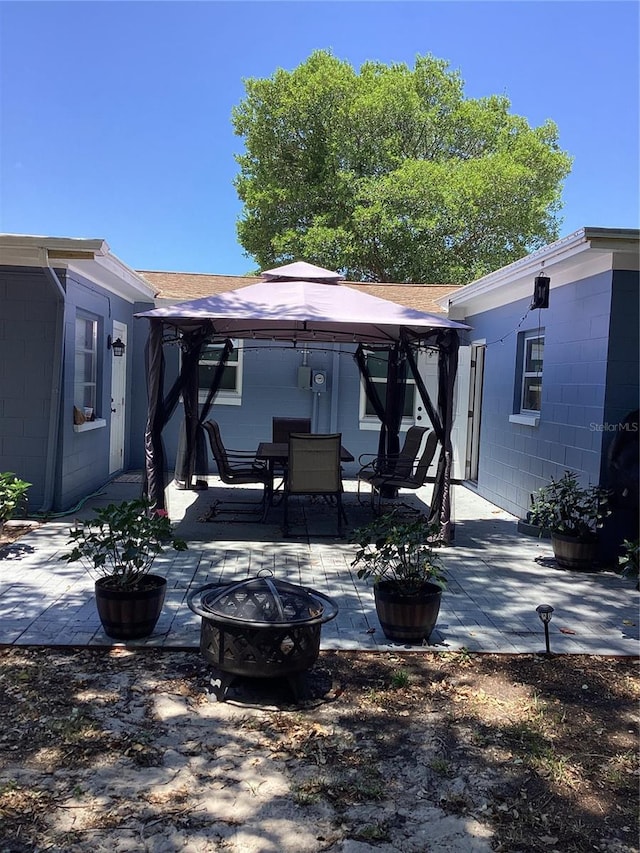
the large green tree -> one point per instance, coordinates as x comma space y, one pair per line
391, 173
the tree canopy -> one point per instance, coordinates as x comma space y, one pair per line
391, 173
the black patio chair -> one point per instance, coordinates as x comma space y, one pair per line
406, 470
283, 427
239, 468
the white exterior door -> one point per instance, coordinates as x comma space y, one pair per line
476, 379
118, 401
428, 367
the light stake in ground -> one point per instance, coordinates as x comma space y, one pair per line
544, 611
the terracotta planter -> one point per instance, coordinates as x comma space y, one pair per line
130, 614
574, 553
407, 618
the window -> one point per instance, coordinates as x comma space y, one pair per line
230, 391
532, 357
85, 387
377, 365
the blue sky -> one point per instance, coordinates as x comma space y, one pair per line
116, 117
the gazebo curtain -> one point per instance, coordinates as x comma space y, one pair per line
192, 456
390, 412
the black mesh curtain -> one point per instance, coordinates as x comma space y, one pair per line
390, 410
447, 343
161, 407
192, 457
441, 415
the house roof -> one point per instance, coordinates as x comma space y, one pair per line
90, 257
186, 285
585, 252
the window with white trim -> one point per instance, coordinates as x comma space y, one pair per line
377, 365
85, 381
230, 391
531, 382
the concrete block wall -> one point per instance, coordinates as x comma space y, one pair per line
516, 459
27, 337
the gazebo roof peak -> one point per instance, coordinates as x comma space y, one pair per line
302, 271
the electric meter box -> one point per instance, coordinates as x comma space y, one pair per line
318, 380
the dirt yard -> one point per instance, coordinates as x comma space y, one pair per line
416, 752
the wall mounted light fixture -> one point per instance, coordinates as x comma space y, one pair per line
540, 291
117, 346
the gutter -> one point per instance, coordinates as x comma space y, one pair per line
565, 249
53, 433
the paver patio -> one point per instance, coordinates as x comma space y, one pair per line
496, 579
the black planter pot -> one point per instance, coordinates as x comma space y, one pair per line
407, 618
575, 553
130, 614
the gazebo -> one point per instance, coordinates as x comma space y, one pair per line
300, 303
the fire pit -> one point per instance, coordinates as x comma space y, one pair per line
261, 628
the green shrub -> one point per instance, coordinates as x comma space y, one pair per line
13, 495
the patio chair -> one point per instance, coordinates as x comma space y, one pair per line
407, 470
283, 427
314, 469
239, 468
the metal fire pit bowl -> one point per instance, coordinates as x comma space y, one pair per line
261, 628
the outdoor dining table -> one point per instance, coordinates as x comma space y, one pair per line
277, 452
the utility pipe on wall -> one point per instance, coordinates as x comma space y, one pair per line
56, 394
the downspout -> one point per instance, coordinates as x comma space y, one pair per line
335, 389
56, 395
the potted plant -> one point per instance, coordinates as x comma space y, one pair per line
629, 562
573, 513
13, 492
408, 581
118, 546
531, 524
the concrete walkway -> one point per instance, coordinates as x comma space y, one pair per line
496, 579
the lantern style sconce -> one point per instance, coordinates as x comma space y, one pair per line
540, 292
117, 346
544, 611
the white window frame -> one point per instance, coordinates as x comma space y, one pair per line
82, 350
528, 417
228, 397
372, 422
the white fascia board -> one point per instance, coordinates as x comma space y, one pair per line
586, 252
24, 250
91, 258
111, 274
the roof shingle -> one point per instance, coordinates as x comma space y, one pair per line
183, 286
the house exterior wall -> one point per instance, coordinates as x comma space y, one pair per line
28, 312
37, 363
516, 459
623, 361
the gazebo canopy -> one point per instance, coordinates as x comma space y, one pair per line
300, 302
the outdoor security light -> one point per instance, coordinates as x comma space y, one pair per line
540, 292
117, 346
544, 611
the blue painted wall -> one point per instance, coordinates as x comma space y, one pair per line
34, 338
84, 461
27, 339
577, 384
